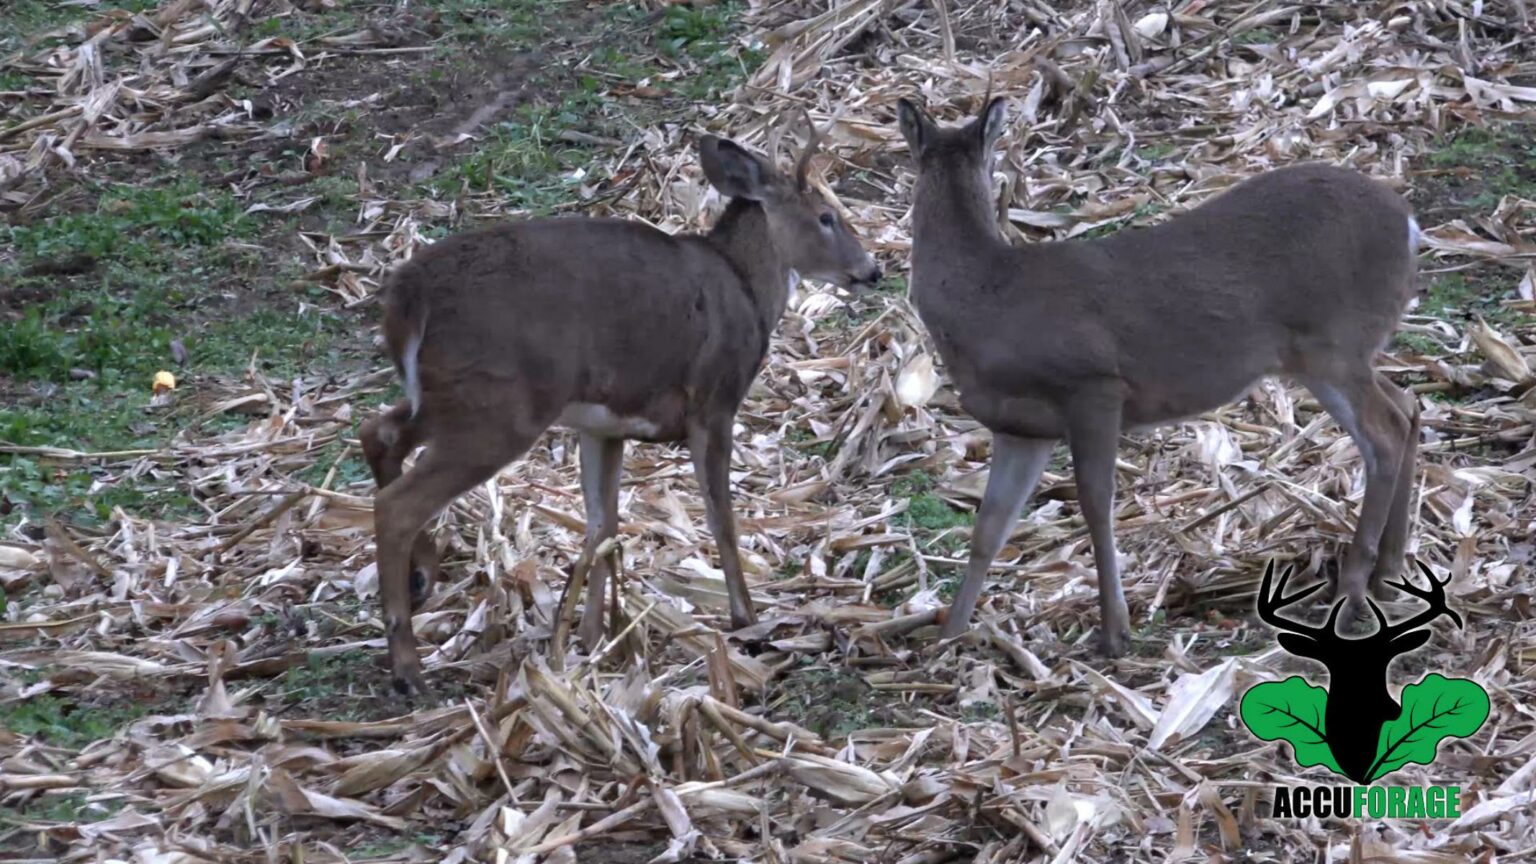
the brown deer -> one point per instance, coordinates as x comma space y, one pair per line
1303, 271
609, 327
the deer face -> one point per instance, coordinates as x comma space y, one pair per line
810, 236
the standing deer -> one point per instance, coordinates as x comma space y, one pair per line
1303, 271
612, 328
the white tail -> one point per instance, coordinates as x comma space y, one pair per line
410, 371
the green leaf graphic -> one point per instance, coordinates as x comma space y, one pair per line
1434, 709
1292, 711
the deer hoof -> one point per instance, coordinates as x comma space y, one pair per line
1114, 642
410, 683
1352, 617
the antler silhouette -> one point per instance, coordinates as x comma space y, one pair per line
1271, 602
1434, 595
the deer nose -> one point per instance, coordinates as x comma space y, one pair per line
873, 276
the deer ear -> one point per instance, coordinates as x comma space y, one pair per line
734, 171
992, 121
1413, 640
915, 126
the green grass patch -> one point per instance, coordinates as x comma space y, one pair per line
1258, 36
931, 519
88, 494
929, 512
516, 24
1456, 296
393, 847
807, 442
524, 160
529, 162
26, 20
328, 676
63, 723
351, 471
135, 224
700, 40
70, 807
1502, 157
830, 702
1418, 343
163, 263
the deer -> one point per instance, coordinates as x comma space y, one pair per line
612, 328
1303, 271
1359, 703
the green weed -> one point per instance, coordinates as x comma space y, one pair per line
65, 724
1258, 36
70, 807
1455, 296
1503, 159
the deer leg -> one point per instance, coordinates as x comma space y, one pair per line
710, 443
448, 469
1379, 429
387, 439
1394, 537
1093, 437
602, 461
1016, 467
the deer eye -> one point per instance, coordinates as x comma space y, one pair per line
827, 220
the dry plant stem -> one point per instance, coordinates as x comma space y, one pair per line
568, 599
492, 748
1229, 506
262, 521
37, 122
611, 822
602, 653
903, 624
773, 730
57, 532
726, 729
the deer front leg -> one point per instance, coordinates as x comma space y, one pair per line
710, 443
1016, 467
1093, 437
602, 461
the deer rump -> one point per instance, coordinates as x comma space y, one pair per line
1281, 273
523, 310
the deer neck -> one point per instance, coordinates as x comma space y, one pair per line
742, 236
950, 214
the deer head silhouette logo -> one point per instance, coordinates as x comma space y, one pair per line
1355, 727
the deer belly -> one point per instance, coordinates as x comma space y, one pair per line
595, 419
